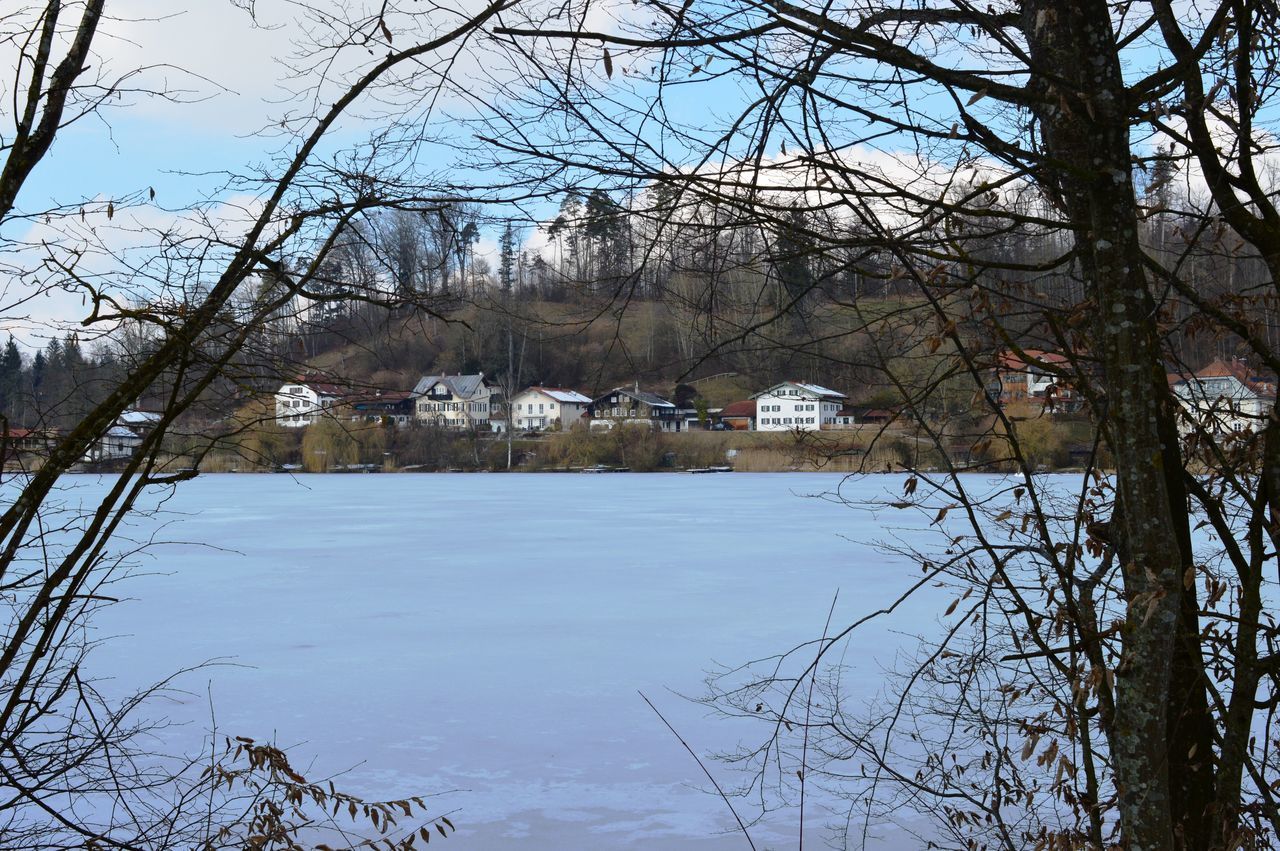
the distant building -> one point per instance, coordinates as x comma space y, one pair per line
739, 416
863, 415
27, 440
124, 437
300, 403
457, 402
395, 406
633, 406
1226, 396
797, 405
845, 418
540, 408
1031, 378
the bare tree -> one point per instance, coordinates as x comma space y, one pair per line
1108, 677
200, 294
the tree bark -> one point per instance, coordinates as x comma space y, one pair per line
1161, 738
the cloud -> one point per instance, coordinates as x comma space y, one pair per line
141, 253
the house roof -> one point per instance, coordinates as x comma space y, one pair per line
813, 389
1240, 371
138, 418
653, 400
319, 385
745, 408
379, 397
462, 386
868, 414
560, 394
24, 433
1012, 360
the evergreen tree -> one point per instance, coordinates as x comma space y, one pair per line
507, 259
604, 226
10, 381
38, 368
792, 252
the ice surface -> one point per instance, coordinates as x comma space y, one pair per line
489, 633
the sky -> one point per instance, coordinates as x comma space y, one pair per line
224, 67
228, 79
229, 76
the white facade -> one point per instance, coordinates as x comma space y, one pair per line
455, 401
547, 409
124, 437
1223, 398
299, 404
795, 405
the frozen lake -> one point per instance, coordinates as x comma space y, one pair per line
488, 634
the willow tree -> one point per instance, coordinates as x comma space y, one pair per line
1110, 677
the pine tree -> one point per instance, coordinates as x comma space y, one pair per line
507, 259
10, 381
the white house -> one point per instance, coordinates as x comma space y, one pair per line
124, 436
456, 401
794, 405
1226, 396
547, 409
300, 403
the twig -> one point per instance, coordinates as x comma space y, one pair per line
680, 739
808, 708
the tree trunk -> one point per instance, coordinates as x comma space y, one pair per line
1161, 740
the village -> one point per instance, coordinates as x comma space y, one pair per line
1225, 397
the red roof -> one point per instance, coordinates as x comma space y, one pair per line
1240, 371
382, 396
30, 433
739, 409
1012, 360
